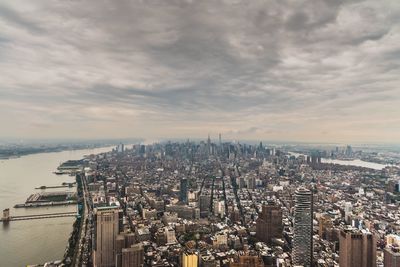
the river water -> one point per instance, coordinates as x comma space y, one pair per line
354, 162
35, 241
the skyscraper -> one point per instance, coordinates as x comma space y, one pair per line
133, 256
120, 148
183, 190
119, 245
107, 227
204, 204
208, 145
269, 223
348, 211
303, 228
190, 259
349, 151
357, 248
392, 256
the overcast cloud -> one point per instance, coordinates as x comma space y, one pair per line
318, 70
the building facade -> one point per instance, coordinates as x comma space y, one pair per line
302, 251
133, 256
107, 228
183, 190
357, 248
190, 259
269, 223
391, 256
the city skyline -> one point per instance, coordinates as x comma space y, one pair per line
308, 71
201, 204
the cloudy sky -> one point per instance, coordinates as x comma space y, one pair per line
316, 71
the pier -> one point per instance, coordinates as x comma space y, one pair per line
44, 199
46, 204
43, 187
7, 218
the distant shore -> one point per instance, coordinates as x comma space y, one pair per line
17, 152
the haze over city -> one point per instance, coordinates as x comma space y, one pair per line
310, 71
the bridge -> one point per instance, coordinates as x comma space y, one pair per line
7, 218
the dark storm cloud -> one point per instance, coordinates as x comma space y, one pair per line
246, 68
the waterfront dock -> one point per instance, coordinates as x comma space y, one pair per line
46, 204
44, 199
43, 187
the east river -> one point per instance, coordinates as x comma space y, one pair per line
35, 241
353, 162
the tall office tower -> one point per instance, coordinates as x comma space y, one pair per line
348, 211
269, 223
129, 239
357, 248
133, 256
107, 227
183, 190
204, 204
314, 159
142, 149
220, 140
349, 151
303, 228
392, 256
251, 183
120, 148
190, 259
208, 145
119, 245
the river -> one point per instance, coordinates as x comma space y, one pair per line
35, 241
354, 162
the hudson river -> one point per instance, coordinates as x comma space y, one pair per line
35, 241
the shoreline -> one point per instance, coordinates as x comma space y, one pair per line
53, 150
37, 170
